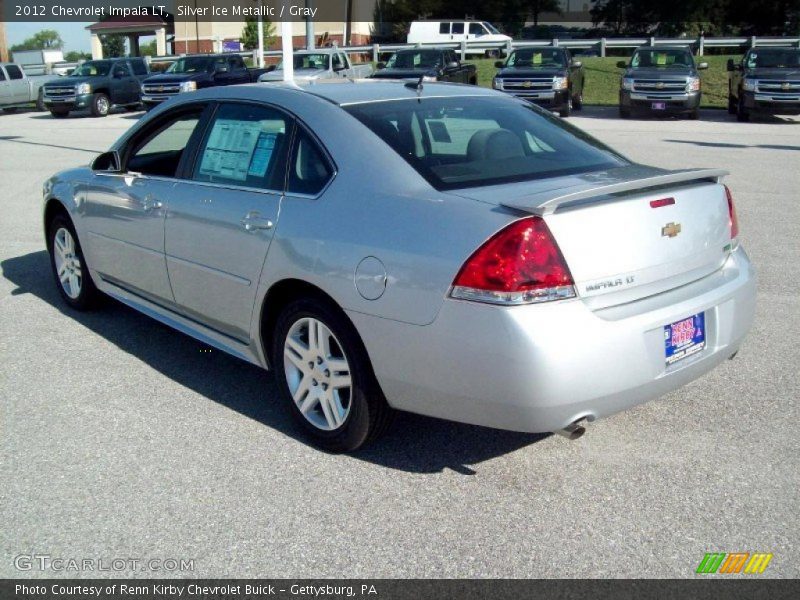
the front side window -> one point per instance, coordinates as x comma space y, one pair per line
663, 59
476, 29
14, 72
191, 64
467, 142
309, 170
310, 61
773, 58
236, 62
93, 68
139, 68
158, 152
246, 145
2, 75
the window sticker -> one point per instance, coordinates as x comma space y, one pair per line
230, 149
262, 154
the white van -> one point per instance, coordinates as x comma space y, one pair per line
438, 32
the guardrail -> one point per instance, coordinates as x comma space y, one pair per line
600, 45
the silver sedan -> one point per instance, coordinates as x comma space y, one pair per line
445, 250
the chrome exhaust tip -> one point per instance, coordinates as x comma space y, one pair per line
572, 431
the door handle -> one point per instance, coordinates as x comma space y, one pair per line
253, 222
150, 203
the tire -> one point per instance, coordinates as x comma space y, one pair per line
624, 113
69, 268
10, 110
567, 110
694, 115
59, 114
101, 105
337, 418
577, 101
473, 81
732, 105
40, 101
741, 112
134, 107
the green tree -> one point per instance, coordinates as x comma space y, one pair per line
537, 7
46, 39
250, 34
148, 49
75, 56
113, 45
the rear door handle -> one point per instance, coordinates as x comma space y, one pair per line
253, 222
150, 203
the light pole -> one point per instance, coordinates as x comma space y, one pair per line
288, 51
260, 35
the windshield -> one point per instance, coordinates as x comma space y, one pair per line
490, 27
773, 59
537, 58
663, 59
309, 61
467, 141
420, 59
191, 64
93, 68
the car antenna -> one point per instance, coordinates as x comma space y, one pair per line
418, 85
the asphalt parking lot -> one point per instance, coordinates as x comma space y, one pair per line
124, 439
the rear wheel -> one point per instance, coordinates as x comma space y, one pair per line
694, 115
40, 101
324, 375
624, 112
69, 266
101, 105
577, 101
732, 106
59, 114
10, 109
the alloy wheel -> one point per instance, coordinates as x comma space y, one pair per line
102, 105
317, 374
68, 264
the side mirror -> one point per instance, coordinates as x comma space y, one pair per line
731, 65
271, 68
499, 64
338, 68
622, 64
107, 162
380, 65
452, 65
702, 66
576, 64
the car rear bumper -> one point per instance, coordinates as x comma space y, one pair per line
540, 367
673, 103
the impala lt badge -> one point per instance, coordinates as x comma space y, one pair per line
671, 230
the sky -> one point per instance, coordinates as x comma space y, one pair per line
75, 35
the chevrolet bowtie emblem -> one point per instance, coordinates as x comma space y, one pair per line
671, 230
527, 84
659, 86
786, 85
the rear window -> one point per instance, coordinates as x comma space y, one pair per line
468, 142
444, 27
139, 67
14, 72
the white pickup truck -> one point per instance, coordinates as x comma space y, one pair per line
18, 90
322, 63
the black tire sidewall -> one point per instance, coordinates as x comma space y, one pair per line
95, 101
357, 426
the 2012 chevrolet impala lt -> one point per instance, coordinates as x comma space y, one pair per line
444, 250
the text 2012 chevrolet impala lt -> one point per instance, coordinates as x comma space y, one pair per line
445, 250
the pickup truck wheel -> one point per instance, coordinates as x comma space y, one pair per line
100, 105
577, 102
732, 105
624, 113
694, 115
10, 109
567, 110
323, 373
40, 101
59, 114
69, 266
741, 112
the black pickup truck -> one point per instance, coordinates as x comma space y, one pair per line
548, 77
766, 81
190, 73
431, 64
97, 85
661, 80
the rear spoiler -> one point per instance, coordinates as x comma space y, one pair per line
543, 203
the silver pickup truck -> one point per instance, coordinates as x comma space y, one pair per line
18, 90
322, 63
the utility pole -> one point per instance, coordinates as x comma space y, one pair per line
309, 26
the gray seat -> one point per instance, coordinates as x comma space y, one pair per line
494, 144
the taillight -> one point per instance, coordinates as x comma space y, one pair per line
520, 264
733, 220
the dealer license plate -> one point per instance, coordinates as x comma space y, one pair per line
684, 338
659, 106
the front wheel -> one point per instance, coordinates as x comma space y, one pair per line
40, 106
577, 101
101, 105
59, 114
323, 373
10, 110
694, 115
69, 265
624, 112
741, 112
567, 110
732, 106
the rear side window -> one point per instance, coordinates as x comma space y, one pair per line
309, 170
2, 75
14, 72
458, 28
476, 29
444, 28
139, 68
246, 145
466, 142
236, 62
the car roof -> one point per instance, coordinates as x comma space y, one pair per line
372, 90
684, 48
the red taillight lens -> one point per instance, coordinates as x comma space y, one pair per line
518, 265
733, 220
